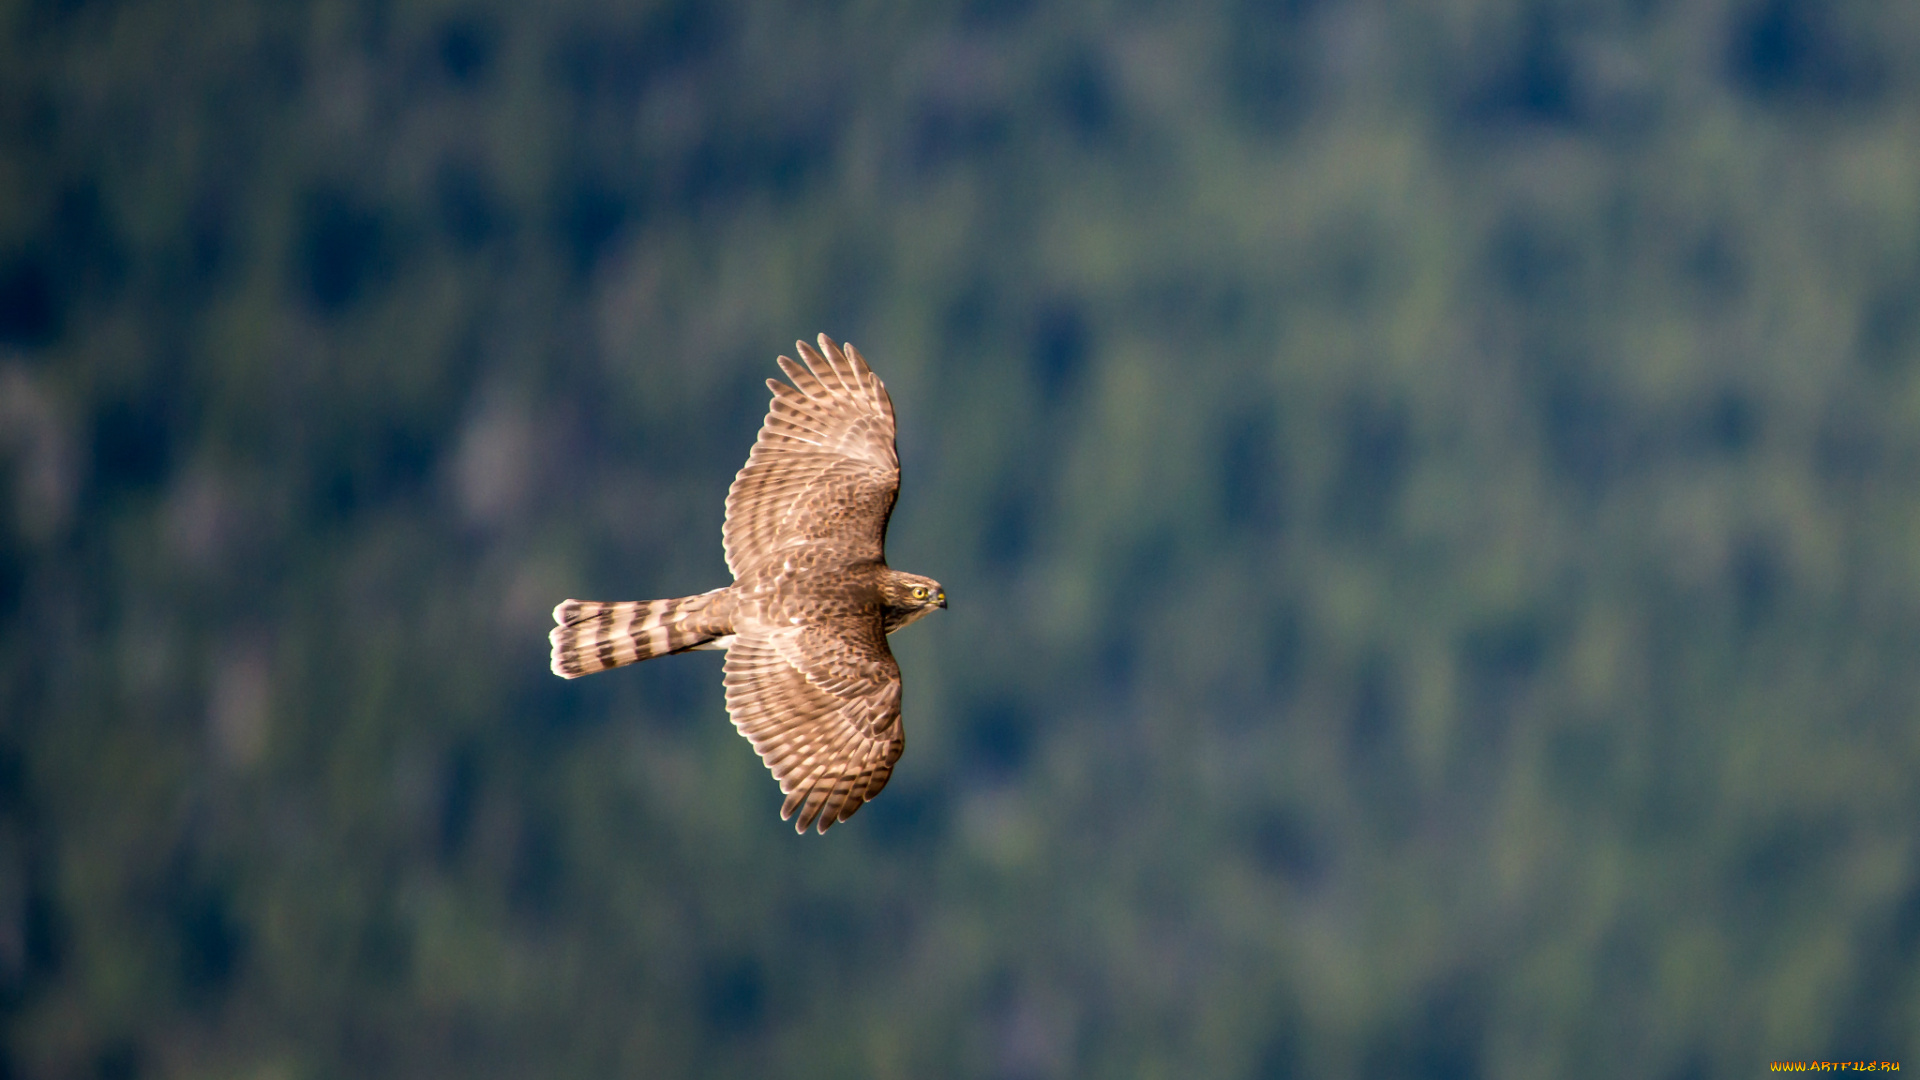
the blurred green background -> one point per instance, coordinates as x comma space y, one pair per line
1429, 495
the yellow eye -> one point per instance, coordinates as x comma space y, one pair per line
919, 592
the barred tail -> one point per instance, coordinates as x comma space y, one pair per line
593, 637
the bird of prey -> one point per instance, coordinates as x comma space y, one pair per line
809, 678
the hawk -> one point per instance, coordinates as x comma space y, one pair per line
809, 678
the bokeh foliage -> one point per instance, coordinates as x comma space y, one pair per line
1429, 495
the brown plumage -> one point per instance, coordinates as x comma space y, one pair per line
809, 678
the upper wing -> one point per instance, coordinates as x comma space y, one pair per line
824, 466
821, 705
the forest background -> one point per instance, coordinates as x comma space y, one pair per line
1429, 495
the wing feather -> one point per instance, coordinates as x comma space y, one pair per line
821, 706
820, 773
824, 468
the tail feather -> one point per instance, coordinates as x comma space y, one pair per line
593, 636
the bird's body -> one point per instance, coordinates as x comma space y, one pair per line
809, 678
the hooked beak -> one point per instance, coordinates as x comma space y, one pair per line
941, 596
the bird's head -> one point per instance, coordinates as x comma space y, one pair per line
909, 597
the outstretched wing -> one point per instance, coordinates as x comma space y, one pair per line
821, 705
823, 470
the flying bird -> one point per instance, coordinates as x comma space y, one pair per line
809, 678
